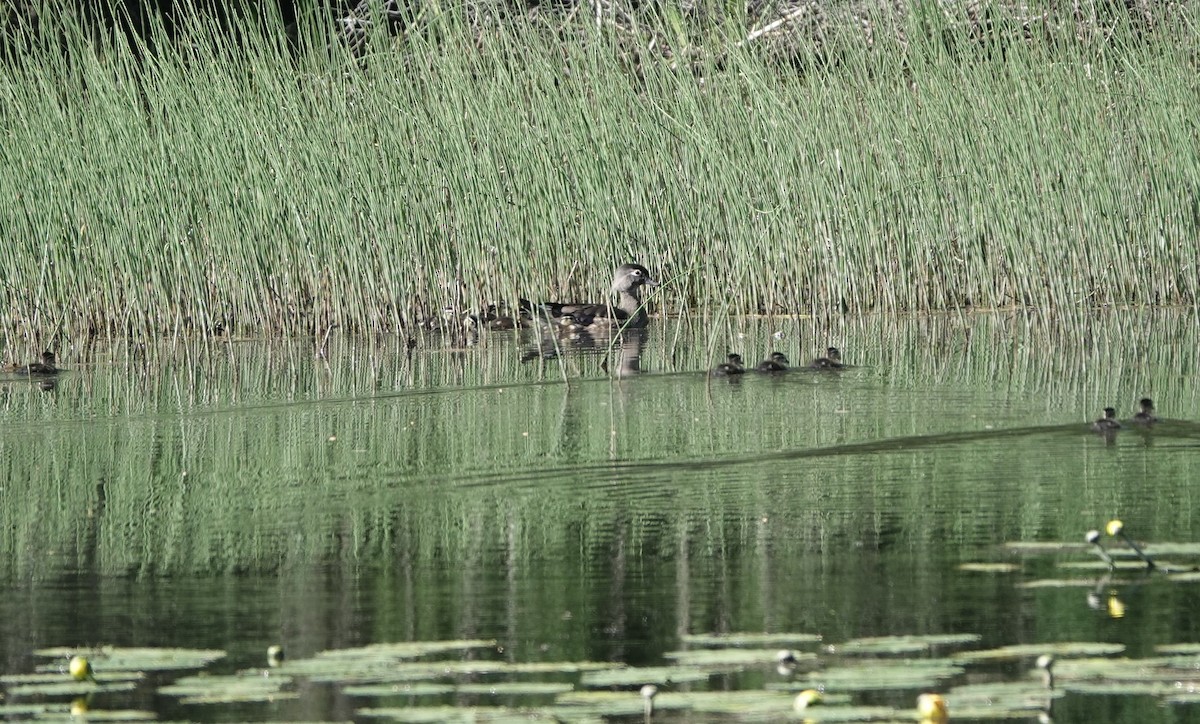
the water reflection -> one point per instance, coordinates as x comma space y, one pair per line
248, 494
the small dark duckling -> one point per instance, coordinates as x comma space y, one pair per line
1145, 415
45, 367
831, 361
1108, 423
777, 362
732, 365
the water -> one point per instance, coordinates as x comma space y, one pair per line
243, 495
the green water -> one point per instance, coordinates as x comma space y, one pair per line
239, 495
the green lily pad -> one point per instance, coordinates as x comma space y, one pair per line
752, 640
611, 704
1181, 648
1058, 583
70, 688
876, 674
115, 658
405, 649
103, 715
351, 671
735, 658
449, 714
901, 644
1001, 696
1062, 649
637, 676
499, 688
989, 567
1123, 688
849, 714
1046, 547
229, 689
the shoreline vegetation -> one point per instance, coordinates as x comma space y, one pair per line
193, 180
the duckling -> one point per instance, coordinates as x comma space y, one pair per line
1108, 423
777, 362
628, 281
1145, 415
732, 365
831, 361
45, 367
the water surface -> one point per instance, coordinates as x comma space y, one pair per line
242, 494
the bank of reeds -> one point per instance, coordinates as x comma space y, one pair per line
236, 184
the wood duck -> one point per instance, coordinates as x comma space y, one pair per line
1145, 415
777, 362
732, 365
831, 361
1108, 423
45, 367
627, 283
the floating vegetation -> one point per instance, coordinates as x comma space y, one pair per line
405, 649
598, 691
637, 676
989, 567
113, 658
499, 688
901, 644
370, 669
877, 674
1181, 648
229, 689
449, 714
1063, 649
737, 658
610, 703
63, 711
71, 688
751, 640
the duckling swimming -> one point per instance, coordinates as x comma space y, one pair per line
732, 365
628, 281
831, 361
1145, 415
777, 362
45, 367
1108, 423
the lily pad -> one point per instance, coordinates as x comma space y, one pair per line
901, 644
103, 715
637, 676
405, 649
611, 704
1181, 648
70, 688
115, 658
736, 658
1058, 583
877, 674
1046, 547
383, 672
1062, 649
449, 714
752, 640
989, 567
1008, 696
499, 688
228, 689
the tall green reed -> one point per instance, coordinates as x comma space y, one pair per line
226, 183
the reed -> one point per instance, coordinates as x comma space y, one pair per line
233, 184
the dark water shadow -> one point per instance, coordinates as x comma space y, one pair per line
1177, 435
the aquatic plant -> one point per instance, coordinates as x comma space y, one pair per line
239, 185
